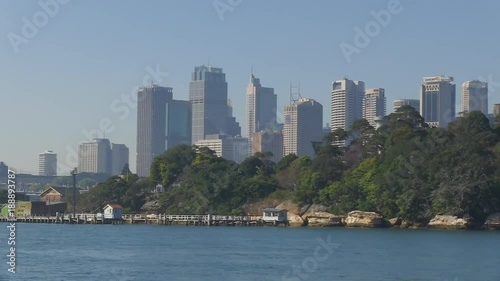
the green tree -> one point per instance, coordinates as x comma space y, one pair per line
168, 167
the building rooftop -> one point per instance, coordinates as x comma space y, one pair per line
274, 210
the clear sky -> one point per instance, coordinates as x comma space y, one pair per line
69, 74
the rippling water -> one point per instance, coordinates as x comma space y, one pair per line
148, 252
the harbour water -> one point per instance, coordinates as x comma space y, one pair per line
150, 252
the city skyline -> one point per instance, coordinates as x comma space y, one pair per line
107, 71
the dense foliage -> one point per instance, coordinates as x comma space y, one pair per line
403, 169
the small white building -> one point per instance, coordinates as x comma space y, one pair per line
275, 215
113, 211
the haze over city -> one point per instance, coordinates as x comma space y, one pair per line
91, 56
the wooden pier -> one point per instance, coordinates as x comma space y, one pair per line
160, 219
63, 219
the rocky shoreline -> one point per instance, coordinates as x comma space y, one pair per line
317, 216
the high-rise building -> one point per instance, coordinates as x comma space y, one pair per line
239, 149
374, 105
4, 169
119, 158
228, 147
437, 100
496, 110
268, 141
346, 103
261, 107
475, 96
218, 143
233, 127
401, 102
179, 123
47, 163
95, 157
208, 96
303, 129
152, 103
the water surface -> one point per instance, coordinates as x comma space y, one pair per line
148, 252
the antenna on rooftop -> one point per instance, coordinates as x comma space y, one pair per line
295, 93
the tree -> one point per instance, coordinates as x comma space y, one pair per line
168, 167
86, 183
285, 162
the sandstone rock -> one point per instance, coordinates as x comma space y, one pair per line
395, 221
151, 206
405, 224
447, 222
323, 219
295, 220
493, 222
364, 219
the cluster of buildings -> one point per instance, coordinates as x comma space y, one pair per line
98, 156
207, 119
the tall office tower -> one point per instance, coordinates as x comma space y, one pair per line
119, 158
208, 96
496, 110
437, 100
179, 123
4, 169
261, 107
347, 103
152, 102
95, 157
374, 105
268, 141
233, 127
47, 163
240, 149
413, 103
303, 128
475, 96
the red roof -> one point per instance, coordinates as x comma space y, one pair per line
115, 206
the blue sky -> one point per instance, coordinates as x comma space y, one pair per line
88, 54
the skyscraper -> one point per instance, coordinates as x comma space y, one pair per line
47, 163
347, 103
261, 107
119, 158
233, 127
374, 105
437, 100
179, 123
268, 141
303, 127
152, 103
4, 169
95, 157
401, 102
208, 97
475, 96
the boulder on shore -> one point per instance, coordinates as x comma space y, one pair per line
295, 220
323, 219
448, 222
364, 219
396, 222
493, 222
